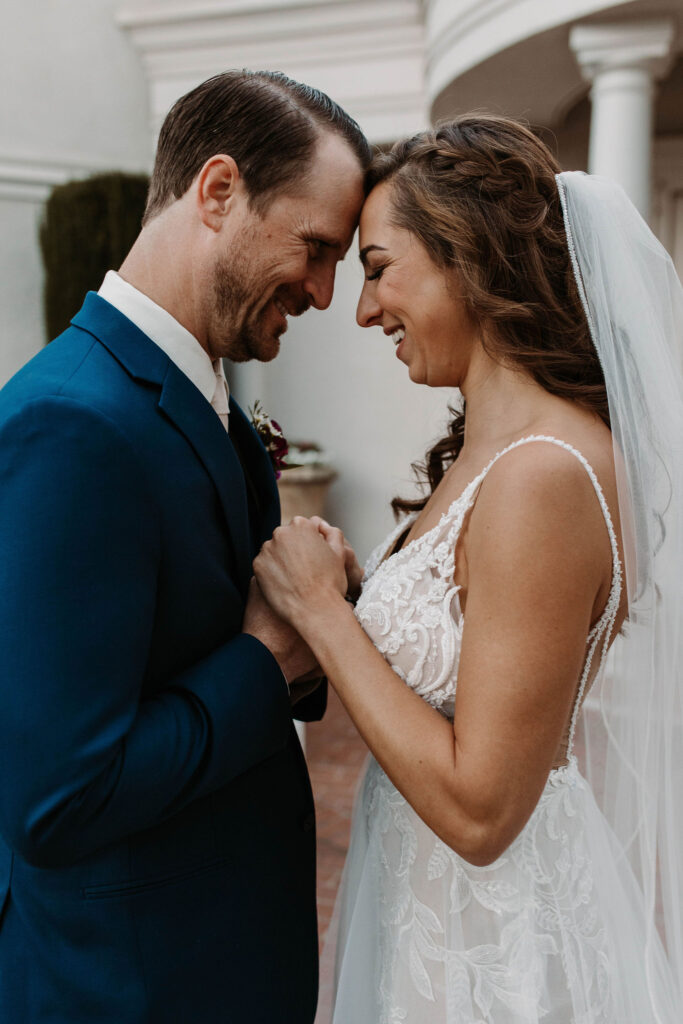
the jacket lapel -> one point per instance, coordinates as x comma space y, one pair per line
186, 408
183, 404
258, 465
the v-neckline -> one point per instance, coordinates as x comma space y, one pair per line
393, 551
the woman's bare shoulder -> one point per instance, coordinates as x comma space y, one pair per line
540, 497
534, 480
551, 457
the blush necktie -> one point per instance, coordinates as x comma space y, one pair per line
219, 401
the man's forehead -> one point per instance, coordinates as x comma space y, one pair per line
336, 234
334, 170
332, 221
333, 152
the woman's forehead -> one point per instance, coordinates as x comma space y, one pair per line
374, 216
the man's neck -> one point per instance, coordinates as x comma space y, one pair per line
162, 270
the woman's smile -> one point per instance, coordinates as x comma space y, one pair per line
412, 299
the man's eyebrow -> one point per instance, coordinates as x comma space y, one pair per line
326, 240
369, 248
341, 247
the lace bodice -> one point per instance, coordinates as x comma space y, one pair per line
426, 936
410, 608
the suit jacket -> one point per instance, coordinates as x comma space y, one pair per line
157, 858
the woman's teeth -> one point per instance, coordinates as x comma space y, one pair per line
398, 335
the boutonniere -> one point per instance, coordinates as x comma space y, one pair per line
271, 435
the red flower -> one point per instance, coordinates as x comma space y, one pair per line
271, 435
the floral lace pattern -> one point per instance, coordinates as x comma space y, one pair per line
409, 608
535, 905
516, 941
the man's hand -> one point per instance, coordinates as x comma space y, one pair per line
291, 653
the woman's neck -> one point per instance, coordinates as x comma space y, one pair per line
503, 404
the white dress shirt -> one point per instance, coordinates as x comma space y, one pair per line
165, 331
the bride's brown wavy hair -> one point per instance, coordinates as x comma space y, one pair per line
479, 193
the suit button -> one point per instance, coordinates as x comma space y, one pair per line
308, 822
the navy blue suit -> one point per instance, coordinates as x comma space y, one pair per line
157, 858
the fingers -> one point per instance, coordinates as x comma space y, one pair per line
308, 521
335, 538
254, 587
323, 526
332, 534
285, 541
339, 544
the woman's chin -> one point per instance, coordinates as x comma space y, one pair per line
416, 374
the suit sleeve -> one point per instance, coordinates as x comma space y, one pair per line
312, 707
83, 760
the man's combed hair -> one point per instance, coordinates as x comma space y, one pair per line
264, 120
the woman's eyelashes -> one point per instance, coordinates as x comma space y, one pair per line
376, 274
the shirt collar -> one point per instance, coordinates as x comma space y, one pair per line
165, 331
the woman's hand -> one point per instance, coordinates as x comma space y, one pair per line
336, 539
300, 569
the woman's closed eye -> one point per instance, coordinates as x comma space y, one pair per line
376, 274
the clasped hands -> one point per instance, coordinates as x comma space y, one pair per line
306, 564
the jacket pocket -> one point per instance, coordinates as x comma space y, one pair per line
119, 890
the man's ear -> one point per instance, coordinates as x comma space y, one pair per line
217, 184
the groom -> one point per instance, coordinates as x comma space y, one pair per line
156, 818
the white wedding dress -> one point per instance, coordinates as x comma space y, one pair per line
553, 930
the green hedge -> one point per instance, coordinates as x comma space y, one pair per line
88, 228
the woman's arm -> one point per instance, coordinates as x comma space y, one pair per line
537, 554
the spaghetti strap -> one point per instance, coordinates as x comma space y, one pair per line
616, 564
602, 630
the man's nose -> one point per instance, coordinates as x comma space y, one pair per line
319, 287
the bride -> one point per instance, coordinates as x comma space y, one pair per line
489, 879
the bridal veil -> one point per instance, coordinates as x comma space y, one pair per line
581, 919
633, 720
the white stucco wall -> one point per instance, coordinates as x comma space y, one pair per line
74, 100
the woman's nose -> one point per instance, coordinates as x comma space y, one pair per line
369, 311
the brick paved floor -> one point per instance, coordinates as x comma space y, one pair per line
335, 754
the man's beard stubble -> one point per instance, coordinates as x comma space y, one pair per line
238, 333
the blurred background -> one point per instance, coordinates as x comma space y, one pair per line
86, 83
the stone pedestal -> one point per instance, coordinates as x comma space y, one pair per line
303, 491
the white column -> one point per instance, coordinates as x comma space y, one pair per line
623, 61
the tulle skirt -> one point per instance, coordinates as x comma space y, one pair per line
553, 931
